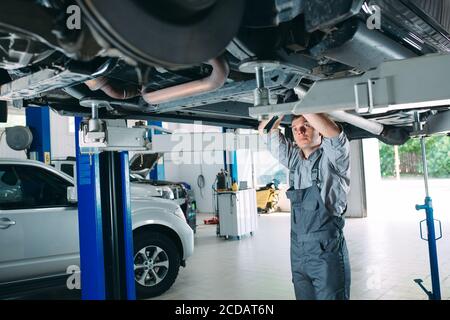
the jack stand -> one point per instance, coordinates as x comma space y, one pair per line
95, 124
261, 93
95, 127
429, 293
431, 238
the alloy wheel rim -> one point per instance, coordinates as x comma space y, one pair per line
151, 265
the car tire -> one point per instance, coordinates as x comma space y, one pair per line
149, 243
126, 26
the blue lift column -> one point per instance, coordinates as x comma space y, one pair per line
157, 173
232, 168
38, 120
105, 226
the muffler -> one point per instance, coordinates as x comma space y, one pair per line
355, 45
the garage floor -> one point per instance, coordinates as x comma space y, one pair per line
386, 253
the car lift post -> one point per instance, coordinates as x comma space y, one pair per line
105, 229
431, 238
38, 120
231, 156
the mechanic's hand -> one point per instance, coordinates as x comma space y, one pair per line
264, 123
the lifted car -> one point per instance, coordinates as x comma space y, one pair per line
182, 61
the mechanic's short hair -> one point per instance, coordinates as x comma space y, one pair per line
295, 117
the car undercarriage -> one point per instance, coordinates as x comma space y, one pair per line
185, 61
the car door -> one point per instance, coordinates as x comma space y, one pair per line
38, 227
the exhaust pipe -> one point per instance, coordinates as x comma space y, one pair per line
114, 91
387, 134
213, 82
343, 116
360, 122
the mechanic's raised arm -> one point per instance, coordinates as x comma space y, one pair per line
278, 145
335, 143
327, 127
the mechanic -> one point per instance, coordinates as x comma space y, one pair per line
319, 177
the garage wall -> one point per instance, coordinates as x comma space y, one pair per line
190, 170
189, 173
62, 136
61, 131
357, 197
16, 117
6, 152
372, 173
188, 167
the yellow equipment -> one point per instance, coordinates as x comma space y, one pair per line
267, 199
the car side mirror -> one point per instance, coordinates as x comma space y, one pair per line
72, 196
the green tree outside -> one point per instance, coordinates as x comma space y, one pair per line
438, 156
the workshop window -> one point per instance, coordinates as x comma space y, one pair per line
71, 124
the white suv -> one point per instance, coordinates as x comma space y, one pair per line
68, 166
39, 231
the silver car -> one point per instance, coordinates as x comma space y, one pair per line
39, 231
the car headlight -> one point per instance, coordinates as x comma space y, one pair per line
179, 213
167, 193
159, 191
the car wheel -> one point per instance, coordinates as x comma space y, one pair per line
156, 264
169, 33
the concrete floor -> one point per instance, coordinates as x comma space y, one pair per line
386, 253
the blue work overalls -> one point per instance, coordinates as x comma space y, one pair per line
319, 256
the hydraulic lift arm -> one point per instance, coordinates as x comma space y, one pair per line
402, 84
